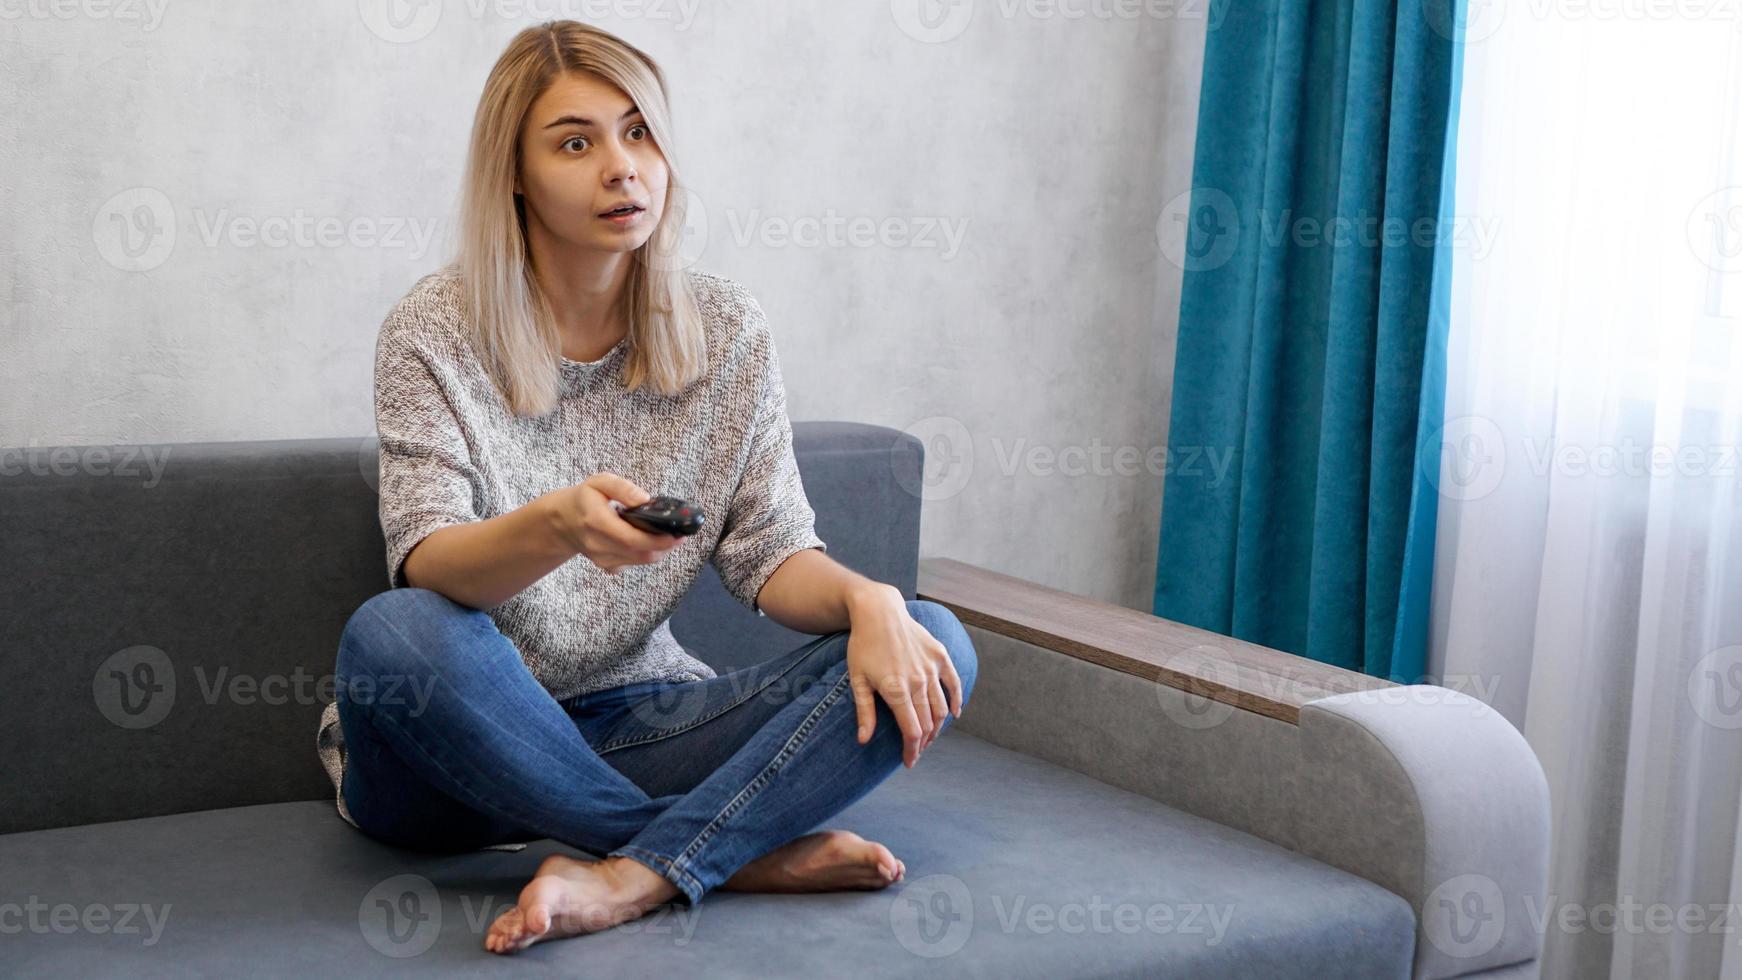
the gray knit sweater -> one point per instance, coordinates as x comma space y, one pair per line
452, 453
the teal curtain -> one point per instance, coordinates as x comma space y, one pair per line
1308, 377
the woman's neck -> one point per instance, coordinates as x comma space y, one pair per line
585, 290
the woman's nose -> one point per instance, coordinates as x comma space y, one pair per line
622, 166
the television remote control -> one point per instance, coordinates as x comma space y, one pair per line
663, 515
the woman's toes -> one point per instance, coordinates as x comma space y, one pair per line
503, 931
886, 862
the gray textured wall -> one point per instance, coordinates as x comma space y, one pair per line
950, 211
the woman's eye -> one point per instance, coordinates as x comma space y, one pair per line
572, 139
638, 129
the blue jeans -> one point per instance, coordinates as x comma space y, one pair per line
452, 744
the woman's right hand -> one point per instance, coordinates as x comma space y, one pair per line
590, 526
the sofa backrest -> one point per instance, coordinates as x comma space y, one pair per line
171, 613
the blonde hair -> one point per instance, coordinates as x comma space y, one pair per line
510, 318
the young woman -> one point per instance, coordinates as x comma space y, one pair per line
519, 679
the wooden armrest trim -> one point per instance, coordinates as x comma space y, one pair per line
1246, 675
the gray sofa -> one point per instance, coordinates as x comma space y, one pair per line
1123, 797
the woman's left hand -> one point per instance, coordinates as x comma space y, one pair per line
890, 654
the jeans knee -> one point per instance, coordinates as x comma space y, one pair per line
381, 636
948, 630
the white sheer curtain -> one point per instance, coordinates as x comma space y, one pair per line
1589, 566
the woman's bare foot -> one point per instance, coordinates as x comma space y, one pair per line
830, 860
569, 897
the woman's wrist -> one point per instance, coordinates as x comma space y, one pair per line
563, 533
871, 595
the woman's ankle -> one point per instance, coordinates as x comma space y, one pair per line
635, 882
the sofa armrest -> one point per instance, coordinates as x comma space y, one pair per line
1422, 790
1432, 794
1220, 668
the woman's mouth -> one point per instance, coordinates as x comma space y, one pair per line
623, 214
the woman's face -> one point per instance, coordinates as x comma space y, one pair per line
584, 150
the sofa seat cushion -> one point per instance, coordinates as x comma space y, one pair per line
1015, 868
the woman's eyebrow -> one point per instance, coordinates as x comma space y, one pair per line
583, 121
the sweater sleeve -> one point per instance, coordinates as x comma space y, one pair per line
427, 479
769, 518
